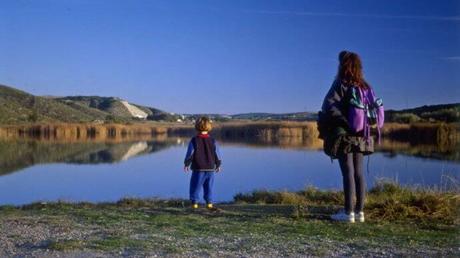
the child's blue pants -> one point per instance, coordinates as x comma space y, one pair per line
198, 180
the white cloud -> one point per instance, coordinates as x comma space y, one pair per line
451, 58
379, 16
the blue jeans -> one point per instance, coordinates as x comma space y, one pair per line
200, 180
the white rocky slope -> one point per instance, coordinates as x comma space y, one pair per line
135, 111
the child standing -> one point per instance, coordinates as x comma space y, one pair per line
204, 159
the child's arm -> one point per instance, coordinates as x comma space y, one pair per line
188, 155
218, 157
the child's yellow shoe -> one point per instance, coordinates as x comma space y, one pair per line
195, 206
209, 206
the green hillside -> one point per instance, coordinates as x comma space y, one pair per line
17, 106
106, 105
433, 113
112, 106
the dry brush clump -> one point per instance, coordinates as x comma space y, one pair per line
386, 201
128, 202
268, 131
310, 195
390, 201
441, 134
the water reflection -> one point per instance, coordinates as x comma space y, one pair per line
390, 148
20, 153
50, 168
449, 152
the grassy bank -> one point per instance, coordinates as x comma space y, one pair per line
386, 201
83, 131
289, 134
266, 224
259, 129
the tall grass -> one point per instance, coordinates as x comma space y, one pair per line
81, 131
385, 201
389, 201
441, 134
280, 133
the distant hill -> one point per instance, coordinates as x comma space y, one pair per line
298, 116
432, 113
116, 107
17, 106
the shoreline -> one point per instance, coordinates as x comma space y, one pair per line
439, 133
399, 222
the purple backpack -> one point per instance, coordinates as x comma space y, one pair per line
365, 111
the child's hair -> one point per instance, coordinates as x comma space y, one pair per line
203, 124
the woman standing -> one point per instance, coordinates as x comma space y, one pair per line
341, 140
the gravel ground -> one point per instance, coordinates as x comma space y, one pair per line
176, 232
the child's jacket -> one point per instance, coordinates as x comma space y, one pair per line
203, 154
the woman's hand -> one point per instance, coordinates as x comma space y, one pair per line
186, 169
217, 169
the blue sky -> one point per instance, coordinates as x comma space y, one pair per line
230, 56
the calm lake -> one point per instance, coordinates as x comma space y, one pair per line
33, 170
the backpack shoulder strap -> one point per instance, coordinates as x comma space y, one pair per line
372, 94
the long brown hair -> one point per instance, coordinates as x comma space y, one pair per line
351, 70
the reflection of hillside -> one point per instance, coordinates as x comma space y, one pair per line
135, 149
16, 155
22, 152
117, 152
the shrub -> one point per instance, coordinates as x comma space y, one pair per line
385, 201
390, 201
407, 118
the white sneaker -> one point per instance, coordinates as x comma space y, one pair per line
360, 216
342, 216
